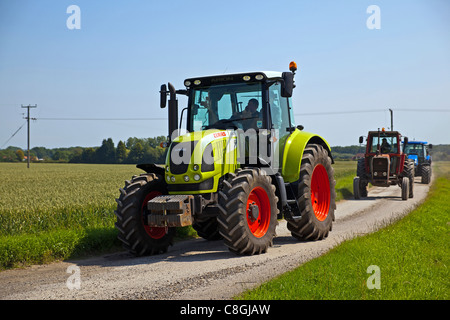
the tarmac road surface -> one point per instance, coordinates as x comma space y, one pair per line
199, 269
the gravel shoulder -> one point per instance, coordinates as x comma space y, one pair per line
199, 269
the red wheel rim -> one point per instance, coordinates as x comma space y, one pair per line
320, 192
153, 232
258, 201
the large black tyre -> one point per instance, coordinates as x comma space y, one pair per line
207, 229
426, 174
316, 195
248, 211
138, 238
405, 188
361, 173
356, 189
408, 171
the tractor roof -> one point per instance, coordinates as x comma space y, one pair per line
417, 142
389, 133
234, 77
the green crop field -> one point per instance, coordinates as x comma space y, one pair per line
55, 211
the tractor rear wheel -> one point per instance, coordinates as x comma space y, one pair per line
316, 195
136, 236
426, 174
248, 211
207, 229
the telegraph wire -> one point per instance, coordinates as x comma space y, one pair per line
102, 119
13, 134
339, 112
367, 111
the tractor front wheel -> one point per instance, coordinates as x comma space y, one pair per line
137, 237
248, 211
405, 188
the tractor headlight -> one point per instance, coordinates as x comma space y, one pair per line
186, 178
172, 178
197, 177
195, 167
375, 173
384, 174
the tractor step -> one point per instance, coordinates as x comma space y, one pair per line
288, 215
170, 211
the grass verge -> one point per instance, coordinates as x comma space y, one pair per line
411, 257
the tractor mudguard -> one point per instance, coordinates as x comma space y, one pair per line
293, 152
151, 168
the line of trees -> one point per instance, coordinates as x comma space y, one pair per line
134, 150
148, 150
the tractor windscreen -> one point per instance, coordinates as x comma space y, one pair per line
227, 106
388, 144
414, 149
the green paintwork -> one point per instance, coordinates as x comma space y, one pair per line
293, 152
225, 158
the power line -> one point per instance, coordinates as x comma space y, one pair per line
424, 110
339, 112
13, 135
103, 119
372, 110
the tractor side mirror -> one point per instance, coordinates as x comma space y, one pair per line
287, 85
430, 146
405, 140
361, 139
163, 97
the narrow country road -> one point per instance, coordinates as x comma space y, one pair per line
198, 269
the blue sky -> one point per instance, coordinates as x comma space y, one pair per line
114, 65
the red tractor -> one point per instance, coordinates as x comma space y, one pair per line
384, 164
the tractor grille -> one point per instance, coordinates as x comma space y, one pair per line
180, 156
380, 168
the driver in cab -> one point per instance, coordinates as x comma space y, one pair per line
250, 117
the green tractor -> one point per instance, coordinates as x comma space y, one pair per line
242, 165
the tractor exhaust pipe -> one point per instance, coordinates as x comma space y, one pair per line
173, 109
173, 113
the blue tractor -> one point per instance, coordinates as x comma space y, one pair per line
419, 151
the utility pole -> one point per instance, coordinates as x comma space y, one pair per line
28, 131
392, 119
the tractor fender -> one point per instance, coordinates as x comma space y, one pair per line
151, 168
293, 152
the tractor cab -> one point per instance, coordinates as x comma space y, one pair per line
233, 121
